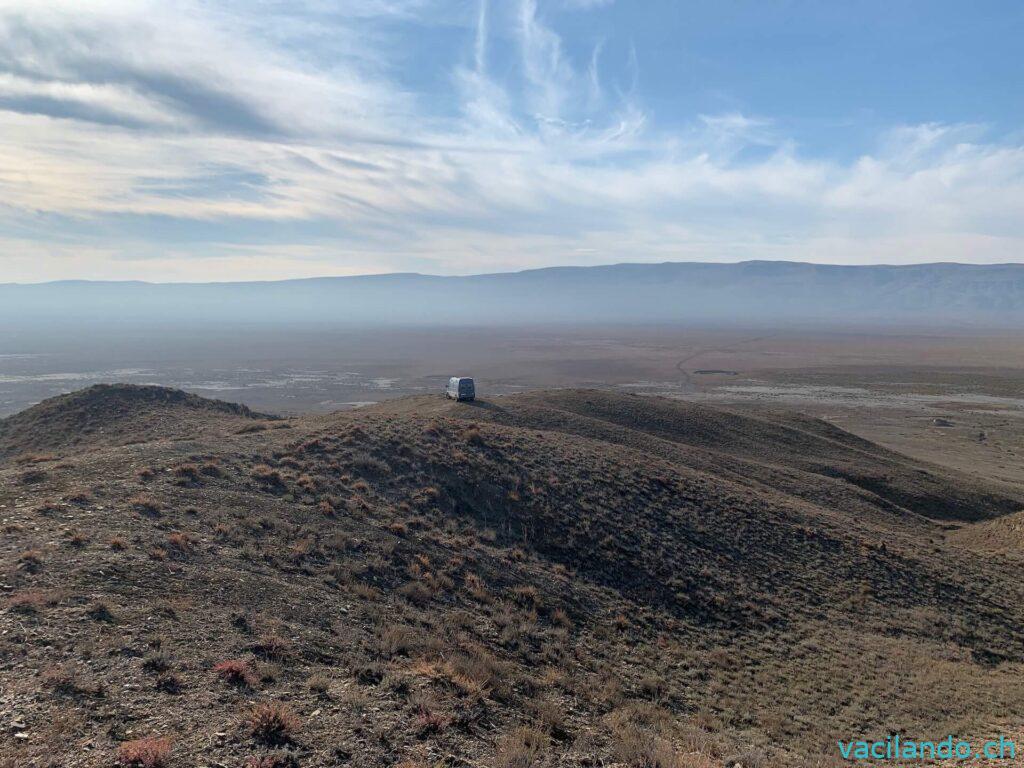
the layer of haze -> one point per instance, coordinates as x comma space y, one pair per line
756, 293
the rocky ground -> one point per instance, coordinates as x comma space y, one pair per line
568, 578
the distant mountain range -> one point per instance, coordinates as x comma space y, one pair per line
742, 293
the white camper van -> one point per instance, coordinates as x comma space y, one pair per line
460, 388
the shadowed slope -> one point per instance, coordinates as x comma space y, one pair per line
780, 451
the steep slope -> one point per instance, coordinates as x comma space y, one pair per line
553, 579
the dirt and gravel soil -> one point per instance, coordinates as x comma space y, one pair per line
573, 578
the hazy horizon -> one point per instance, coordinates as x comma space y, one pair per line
749, 293
553, 267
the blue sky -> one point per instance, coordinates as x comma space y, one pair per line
257, 139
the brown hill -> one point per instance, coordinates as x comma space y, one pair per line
1003, 534
113, 414
778, 449
569, 578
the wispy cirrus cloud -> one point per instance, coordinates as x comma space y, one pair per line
185, 64
145, 140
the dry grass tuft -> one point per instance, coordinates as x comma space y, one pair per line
181, 542
35, 458
319, 685
268, 476
100, 610
145, 504
273, 647
60, 679
31, 559
473, 437
430, 723
187, 472
273, 723
645, 736
522, 748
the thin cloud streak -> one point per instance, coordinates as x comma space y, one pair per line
160, 141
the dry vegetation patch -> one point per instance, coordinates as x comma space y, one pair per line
545, 582
150, 752
273, 723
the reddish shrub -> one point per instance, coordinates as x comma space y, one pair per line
236, 672
28, 601
428, 722
276, 760
150, 752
